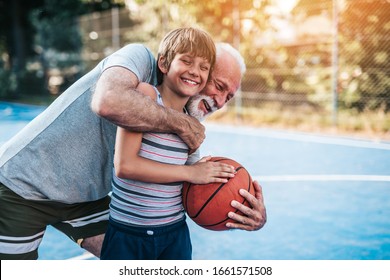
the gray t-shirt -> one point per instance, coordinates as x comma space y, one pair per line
66, 153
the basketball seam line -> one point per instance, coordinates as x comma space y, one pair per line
214, 194
188, 190
248, 189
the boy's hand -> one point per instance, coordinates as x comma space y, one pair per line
206, 171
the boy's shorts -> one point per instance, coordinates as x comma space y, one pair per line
169, 242
23, 222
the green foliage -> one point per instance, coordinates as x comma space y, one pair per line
365, 52
89, 6
8, 83
303, 67
44, 33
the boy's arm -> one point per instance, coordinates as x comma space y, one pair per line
129, 165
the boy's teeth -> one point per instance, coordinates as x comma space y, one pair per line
189, 81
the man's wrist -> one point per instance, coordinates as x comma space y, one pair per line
177, 122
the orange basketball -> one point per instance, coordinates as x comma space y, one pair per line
208, 205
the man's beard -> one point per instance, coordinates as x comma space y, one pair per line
193, 109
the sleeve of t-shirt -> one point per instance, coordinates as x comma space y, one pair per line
193, 158
137, 58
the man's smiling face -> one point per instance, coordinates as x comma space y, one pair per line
223, 84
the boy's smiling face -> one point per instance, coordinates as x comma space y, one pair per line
187, 74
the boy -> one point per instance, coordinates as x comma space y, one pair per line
147, 220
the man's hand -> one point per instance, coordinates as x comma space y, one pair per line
254, 218
192, 132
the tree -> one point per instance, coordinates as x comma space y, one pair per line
364, 50
43, 28
365, 54
15, 43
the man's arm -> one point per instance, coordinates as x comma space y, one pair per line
116, 99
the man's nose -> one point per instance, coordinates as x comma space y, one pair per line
220, 100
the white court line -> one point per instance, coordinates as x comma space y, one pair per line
84, 256
330, 177
298, 136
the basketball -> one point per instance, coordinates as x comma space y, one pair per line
208, 205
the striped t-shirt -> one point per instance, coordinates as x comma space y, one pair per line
138, 203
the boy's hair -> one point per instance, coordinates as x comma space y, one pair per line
185, 40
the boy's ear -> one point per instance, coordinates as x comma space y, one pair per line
162, 64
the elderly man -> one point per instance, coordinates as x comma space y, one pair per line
57, 170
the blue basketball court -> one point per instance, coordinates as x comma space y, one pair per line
327, 198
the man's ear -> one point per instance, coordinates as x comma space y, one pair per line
162, 65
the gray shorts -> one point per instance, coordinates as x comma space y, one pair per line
23, 222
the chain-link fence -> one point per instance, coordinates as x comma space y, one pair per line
327, 58
336, 59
